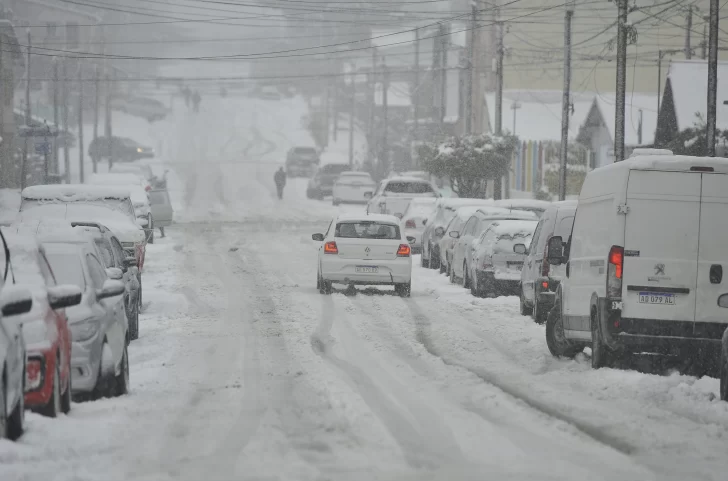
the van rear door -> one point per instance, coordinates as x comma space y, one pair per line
661, 245
710, 319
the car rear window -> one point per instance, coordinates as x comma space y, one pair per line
504, 244
366, 230
67, 268
408, 188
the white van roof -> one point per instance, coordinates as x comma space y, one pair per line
673, 163
75, 192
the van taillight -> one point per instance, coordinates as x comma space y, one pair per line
331, 248
615, 270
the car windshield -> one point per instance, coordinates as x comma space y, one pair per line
409, 188
66, 265
366, 230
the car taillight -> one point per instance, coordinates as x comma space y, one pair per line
330, 248
148, 188
410, 224
404, 250
33, 374
615, 270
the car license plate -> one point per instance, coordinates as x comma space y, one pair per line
366, 270
663, 298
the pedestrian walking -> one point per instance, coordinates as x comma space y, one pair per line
196, 100
280, 179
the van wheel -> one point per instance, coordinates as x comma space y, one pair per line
326, 287
424, 262
66, 398
539, 316
525, 310
434, 260
121, 382
15, 423
601, 355
403, 290
556, 341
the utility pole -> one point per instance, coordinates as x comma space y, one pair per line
24, 160
471, 71
688, 30
416, 88
97, 95
80, 124
498, 181
64, 91
335, 102
107, 120
351, 119
443, 74
621, 80
384, 161
712, 76
565, 102
372, 140
704, 43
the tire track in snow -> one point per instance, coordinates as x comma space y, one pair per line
424, 337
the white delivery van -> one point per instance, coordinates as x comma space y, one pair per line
645, 261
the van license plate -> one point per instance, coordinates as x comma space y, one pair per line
366, 270
657, 298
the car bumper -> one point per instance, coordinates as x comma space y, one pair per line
343, 271
40, 396
85, 363
546, 295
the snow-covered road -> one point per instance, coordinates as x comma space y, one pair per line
244, 371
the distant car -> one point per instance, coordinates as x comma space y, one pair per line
531, 205
142, 170
139, 189
353, 188
540, 280
415, 217
444, 211
498, 258
118, 149
45, 328
322, 183
147, 108
393, 195
162, 210
447, 242
364, 250
302, 161
472, 230
99, 326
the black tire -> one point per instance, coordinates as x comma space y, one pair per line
474, 287
403, 290
53, 408
434, 260
601, 355
67, 394
558, 345
134, 321
318, 281
121, 382
539, 316
443, 266
326, 287
451, 273
15, 423
524, 309
724, 377
466, 277
139, 278
425, 263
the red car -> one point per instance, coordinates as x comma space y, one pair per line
45, 328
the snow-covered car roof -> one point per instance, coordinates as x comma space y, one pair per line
500, 213
115, 179
522, 203
509, 227
456, 202
75, 193
33, 226
368, 218
355, 173
408, 179
464, 213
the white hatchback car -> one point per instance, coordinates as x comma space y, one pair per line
353, 187
365, 250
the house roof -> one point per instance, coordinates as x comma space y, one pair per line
539, 114
634, 102
689, 83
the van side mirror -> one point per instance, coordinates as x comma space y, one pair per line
555, 251
520, 249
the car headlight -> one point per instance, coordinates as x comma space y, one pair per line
85, 330
140, 150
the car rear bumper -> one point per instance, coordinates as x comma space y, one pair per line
85, 363
343, 271
546, 296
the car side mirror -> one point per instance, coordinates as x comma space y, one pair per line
454, 234
318, 237
65, 295
555, 251
520, 249
411, 239
114, 273
143, 221
111, 288
15, 300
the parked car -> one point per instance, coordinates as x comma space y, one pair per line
118, 149
142, 170
150, 109
462, 253
302, 161
14, 300
539, 279
447, 242
138, 188
119, 266
531, 205
646, 258
120, 180
498, 258
436, 225
99, 326
393, 195
415, 217
352, 188
45, 328
322, 183
364, 250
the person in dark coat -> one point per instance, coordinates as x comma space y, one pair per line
280, 179
196, 100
